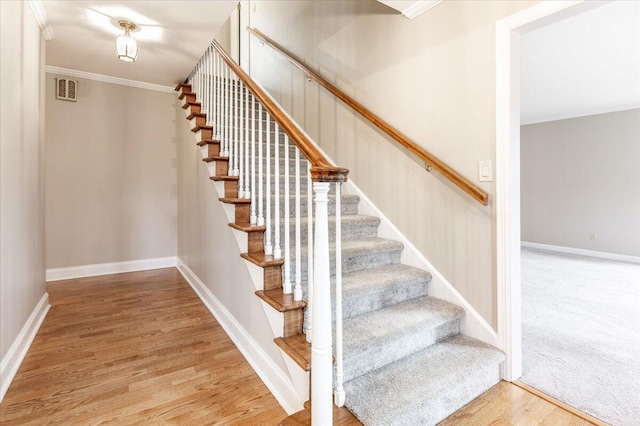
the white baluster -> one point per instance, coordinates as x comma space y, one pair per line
277, 252
215, 94
220, 94
223, 111
309, 255
196, 80
205, 86
210, 87
224, 115
194, 88
260, 170
321, 356
219, 103
211, 117
253, 216
236, 129
203, 81
214, 104
243, 148
230, 122
200, 81
339, 392
286, 285
268, 248
192, 79
247, 140
297, 290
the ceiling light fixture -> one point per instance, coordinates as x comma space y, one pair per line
126, 46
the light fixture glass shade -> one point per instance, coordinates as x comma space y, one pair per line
126, 46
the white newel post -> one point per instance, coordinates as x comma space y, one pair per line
339, 392
321, 353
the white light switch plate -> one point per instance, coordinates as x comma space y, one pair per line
485, 171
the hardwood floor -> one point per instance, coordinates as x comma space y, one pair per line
503, 404
508, 404
140, 348
136, 348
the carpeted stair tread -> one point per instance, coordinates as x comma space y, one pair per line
354, 227
426, 387
375, 339
350, 248
358, 255
371, 289
348, 204
376, 288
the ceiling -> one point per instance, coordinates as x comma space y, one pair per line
171, 38
586, 64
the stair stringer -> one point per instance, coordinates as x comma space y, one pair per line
299, 378
471, 324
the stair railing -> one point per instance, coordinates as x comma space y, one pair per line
430, 161
258, 137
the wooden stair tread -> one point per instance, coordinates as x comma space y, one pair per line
280, 301
215, 158
196, 114
341, 417
183, 94
181, 85
224, 178
261, 259
190, 104
247, 227
228, 200
195, 129
297, 348
204, 142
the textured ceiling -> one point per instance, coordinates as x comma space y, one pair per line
173, 35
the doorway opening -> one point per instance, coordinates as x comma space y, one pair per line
508, 177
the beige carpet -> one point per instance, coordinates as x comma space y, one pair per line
581, 333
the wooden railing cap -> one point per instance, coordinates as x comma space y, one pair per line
329, 174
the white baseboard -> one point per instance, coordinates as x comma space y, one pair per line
582, 252
277, 382
58, 274
18, 350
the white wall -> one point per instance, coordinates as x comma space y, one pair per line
581, 176
111, 175
433, 78
22, 251
207, 246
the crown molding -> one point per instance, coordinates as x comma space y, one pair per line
41, 18
108, 79
420, 7
413, 9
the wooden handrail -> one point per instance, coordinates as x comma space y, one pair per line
431, 161
321, 169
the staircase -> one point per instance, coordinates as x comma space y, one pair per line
403, 358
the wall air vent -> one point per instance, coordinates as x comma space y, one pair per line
66, 89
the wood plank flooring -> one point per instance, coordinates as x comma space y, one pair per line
503, 404
141, 348
508, 404
136, 348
